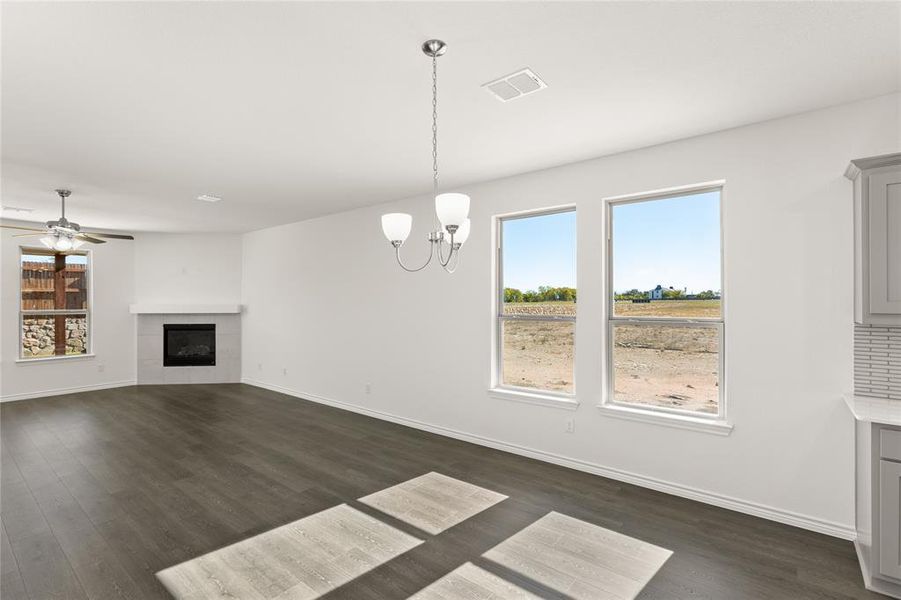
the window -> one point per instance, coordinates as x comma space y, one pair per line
665, 326
55, 311
536, 317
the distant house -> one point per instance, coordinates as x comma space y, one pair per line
657, 292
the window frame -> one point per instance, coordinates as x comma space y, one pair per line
497, 387
87, 312
716, 423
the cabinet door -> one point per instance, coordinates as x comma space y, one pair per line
890, 518
885, 242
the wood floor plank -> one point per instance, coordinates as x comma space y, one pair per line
154, 476
45, 570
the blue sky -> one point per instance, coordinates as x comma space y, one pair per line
72, 259
673, 242
540, 251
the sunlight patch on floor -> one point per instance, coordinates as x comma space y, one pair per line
557, 554
301, 560
433, 502
473, 582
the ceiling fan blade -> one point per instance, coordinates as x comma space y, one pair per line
29, 234
88, 238
112, 236
22, 228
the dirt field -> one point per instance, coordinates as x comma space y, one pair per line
539, 354
656, 365
690, 309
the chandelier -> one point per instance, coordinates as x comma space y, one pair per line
451, 208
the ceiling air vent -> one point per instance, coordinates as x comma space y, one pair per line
515, 85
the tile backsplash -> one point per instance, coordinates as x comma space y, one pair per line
877, 361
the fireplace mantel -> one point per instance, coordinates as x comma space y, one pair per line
184, 309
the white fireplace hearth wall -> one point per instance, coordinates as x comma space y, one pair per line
151, 343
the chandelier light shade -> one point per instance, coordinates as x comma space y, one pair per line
452, 208
452, 225
462, 234
396, 226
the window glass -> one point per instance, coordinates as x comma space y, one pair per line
667, 366
538, 354
54, 304
666, 257
537, 298
666, 318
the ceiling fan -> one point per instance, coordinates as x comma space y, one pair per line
63, 234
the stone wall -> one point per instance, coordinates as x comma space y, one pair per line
39, 335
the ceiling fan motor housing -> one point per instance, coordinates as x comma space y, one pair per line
63, 223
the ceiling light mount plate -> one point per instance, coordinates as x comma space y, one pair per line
434, 48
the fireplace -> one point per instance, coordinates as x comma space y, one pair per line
189, 345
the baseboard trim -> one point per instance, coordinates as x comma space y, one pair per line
743, 506
69, 390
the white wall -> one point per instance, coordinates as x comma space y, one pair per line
155, 268
192, 268
113, 329
423, 340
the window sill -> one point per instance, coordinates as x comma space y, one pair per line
704, 425
44, 359
554, 401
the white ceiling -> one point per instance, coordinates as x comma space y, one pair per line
293, 110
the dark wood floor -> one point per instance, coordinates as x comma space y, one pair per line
101, 490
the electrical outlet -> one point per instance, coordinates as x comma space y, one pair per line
285, 371
368, 388
570, 426
259, 366
100, 368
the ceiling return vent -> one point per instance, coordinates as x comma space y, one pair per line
516, 85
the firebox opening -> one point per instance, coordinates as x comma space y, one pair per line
189, 345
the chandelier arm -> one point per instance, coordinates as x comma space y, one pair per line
453, 251
440, 244
414, 270
456, 263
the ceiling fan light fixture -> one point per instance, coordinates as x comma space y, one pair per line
62, 234
61, 242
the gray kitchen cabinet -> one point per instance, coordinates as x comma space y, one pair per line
890, 518
877, 239
878, 492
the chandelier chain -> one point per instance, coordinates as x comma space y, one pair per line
435, 124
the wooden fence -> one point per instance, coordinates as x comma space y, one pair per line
39, 290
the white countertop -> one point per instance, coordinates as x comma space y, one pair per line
874, 410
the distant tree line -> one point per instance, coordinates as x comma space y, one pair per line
544, 294
668, 295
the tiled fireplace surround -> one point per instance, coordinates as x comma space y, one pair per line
150, 350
